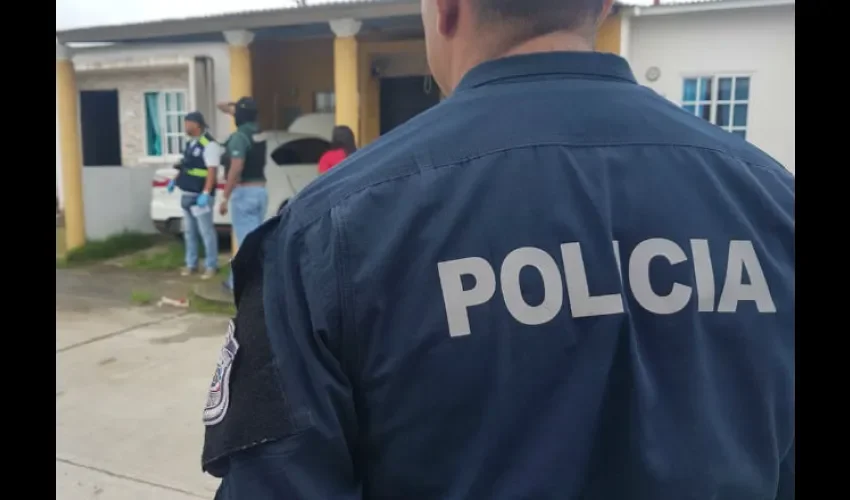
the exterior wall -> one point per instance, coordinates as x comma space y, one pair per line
117, 200
759, 42
131, 86
287, 74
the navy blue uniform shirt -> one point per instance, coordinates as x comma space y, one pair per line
553, 285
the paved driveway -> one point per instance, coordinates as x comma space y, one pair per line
130, 387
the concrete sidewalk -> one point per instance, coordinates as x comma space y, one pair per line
131, 384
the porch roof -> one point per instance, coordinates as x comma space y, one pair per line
290, 21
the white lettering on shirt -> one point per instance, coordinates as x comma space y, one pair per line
574, 279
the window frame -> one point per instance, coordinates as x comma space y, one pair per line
164, 115
714, 100
316, 95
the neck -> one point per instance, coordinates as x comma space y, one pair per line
553, 42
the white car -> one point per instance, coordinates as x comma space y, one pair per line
292, 163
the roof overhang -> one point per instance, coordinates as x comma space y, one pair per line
706, 6
303, 21
277, 18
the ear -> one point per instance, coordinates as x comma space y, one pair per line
447, 16
606, 10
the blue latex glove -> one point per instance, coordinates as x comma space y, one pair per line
170, 186
203, 200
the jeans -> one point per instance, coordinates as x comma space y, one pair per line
248, 206
199, 225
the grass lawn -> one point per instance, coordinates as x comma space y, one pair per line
60, 243
202, 305
167, 257
161, 258
100, 250
144, 253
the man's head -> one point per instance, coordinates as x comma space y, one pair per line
194, 124
460, 34
245, 111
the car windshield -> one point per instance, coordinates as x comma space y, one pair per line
300, 152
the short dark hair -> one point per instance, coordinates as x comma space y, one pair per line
535, 18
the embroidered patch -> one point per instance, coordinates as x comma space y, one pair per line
196, 152
218, 398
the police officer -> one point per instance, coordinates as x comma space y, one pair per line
245, 164
197, 180
555, 284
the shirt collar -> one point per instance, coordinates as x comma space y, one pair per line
594, 65
193, 140
248, 127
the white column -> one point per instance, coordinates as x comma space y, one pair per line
238, 38
344, 28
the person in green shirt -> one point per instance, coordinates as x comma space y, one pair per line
244, 195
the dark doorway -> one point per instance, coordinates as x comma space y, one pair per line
100, 128
404, 97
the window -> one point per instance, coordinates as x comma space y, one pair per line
300, 152
324, 102
164, 114
721, 100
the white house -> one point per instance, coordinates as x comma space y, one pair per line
133, 98
729, 61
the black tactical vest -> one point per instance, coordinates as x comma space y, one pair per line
255, 161
193, 169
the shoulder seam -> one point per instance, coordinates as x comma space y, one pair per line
478, 156
347, 296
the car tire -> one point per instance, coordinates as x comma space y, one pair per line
174, 227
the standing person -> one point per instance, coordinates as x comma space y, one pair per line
245, 166
591, 299
196, 179
342, 146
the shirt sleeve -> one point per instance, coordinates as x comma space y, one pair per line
304, 322
212, 154
237, 145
